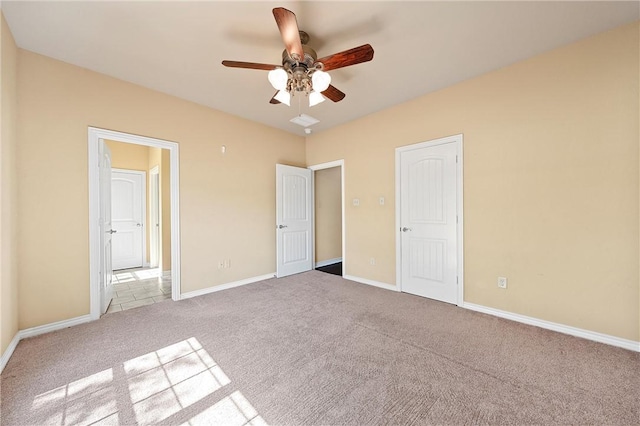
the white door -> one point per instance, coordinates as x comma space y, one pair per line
428, 214
293, 220
154, 218
106, 231
127, 207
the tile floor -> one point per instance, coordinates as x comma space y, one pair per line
138, 287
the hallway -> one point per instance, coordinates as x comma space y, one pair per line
138, 287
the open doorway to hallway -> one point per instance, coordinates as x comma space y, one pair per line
141, 220
328, 213
101, 229
141, 212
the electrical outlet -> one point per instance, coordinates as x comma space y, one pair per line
381, 201
356, 202
372, 261
227, 263
502, 282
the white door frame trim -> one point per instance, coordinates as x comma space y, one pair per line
322, 166
458, 140
94, 136
144, 208
154, 171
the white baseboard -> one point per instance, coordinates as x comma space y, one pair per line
328, 262
226, 286
9, 351
47, 328
35, 331
371, 282
560, 328
565, 329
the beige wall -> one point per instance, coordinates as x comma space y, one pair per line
8, 189
129, 156
550, 182
328, 214
227, 201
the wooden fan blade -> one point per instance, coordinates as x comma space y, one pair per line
273, 100
334, 94
249, 65
288, 26
349, 57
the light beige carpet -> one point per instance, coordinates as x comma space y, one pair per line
315, 349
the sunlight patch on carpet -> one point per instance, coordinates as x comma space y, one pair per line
68, 404
232, 410
160, 384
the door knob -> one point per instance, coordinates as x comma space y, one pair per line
111, 231
405, 229
138, 225
282, 226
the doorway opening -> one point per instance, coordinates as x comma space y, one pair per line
328, 230
149, 226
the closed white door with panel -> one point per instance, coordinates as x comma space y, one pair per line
428, 221
294, 221
127, 218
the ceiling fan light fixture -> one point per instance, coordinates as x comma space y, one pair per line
278, 79
301, 71
284, 97
321, 81
315, 98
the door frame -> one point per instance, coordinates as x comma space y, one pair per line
94, 136
458, 141
154, 216
144, 208
322, 166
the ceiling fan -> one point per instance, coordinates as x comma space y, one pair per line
301, 71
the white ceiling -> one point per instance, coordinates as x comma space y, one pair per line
420, 47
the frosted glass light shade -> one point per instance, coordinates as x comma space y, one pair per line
278, 78
283, 97
321, 81
315, 98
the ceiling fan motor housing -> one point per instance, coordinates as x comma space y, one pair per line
300, 72
310, 57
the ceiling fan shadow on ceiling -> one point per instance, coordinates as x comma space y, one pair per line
301, 71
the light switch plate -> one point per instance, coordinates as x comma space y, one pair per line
356, 202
